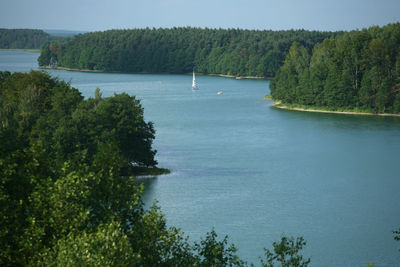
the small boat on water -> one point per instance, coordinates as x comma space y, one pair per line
220, 92
194, 84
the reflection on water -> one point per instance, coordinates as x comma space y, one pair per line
148, 186
344, 121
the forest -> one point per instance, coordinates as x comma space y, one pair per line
180, 50
356, 71
25, 38
66, 198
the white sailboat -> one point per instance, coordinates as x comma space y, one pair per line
194, 84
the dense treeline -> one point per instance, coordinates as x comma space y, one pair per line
359, 70
61, 160
179, 50
63, 200
25, 38
44, 111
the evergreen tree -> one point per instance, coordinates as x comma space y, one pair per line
179, 50
357, 70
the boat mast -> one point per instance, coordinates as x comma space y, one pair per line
194, 85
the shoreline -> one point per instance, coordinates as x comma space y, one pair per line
72, 69
200, 74
236, 77
29, 50
137, 171
278, 105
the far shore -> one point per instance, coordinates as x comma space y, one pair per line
200, 74
72, 69
236, 77
310, 109
21, 49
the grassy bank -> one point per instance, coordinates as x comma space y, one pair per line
327, 110
268, 97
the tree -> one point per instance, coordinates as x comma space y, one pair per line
356, 70
179, 50
25, 38
397, 235
120, 119
44, 58
286, 253
211, 252
286, 86
107, 246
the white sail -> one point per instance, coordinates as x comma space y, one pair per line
194, 84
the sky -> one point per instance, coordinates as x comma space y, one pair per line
100, 15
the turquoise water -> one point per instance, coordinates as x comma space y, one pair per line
254, 173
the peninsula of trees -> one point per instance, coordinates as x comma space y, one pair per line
180, 50
357, 71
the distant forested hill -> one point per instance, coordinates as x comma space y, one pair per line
64, 33
25, 38
359, 70
179, 50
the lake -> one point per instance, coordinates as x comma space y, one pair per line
254, 173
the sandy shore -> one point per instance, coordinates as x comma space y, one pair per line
282, 106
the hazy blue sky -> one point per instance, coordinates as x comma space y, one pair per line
91, 15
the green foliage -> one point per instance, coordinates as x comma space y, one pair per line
268, 97
357, 70
397, 235
286, 253
179, 50
25, 38
42, 110
61, 159
22, 38
120, 120
211, 252
159, 245
107, 246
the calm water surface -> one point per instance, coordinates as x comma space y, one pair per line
254, 173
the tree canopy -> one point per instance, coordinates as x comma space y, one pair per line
286, 253
42, 110
180, 50
25, 38
359, 70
